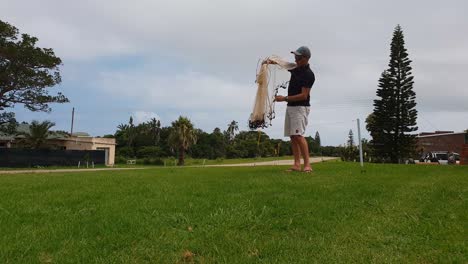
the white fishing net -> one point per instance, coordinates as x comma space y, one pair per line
267, 88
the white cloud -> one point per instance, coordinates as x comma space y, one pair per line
187, 91
143, 116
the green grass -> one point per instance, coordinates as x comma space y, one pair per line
100, 166
235, 161
388, 214
170, 162
197, 162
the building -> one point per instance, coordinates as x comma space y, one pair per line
442, 141
88, 143
79, 141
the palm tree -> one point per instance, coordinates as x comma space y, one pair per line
38, 133
155, 130
232, 128
129, 134
182, 137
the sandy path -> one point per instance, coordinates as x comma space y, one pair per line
261, 163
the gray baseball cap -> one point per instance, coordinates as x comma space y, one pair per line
302, 51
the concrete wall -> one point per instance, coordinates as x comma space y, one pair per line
88, 143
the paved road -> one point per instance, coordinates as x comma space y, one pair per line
272, 163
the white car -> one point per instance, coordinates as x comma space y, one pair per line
442, 157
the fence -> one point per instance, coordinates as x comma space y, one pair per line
33, 158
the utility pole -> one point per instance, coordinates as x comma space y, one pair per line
360, 143
73, 117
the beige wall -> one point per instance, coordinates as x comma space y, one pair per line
88, 143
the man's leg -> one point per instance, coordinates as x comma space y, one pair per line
294, 144
304, 147
296, 149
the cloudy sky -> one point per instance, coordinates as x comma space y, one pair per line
163, 59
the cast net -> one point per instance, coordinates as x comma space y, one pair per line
267, 88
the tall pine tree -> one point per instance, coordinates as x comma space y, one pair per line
394, 116
317, 139
350, 138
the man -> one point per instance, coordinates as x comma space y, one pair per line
298, 108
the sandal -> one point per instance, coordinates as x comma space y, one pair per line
292, 170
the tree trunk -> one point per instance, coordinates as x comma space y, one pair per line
181, 156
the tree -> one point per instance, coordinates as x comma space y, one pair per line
155, 130
311, 144
350, 151
217, 144
8, 122
314, 144
350, 138
182, 137
203, 147
317, 139
37, 135
126, 135
232, 128
394, 115
365, 150
26, 71
147, 134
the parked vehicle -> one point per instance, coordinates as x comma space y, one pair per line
441, 157
453, 158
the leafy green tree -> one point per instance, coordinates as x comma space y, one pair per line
26, 71
248, 143
311, 143
218, 144
126, 135
394, 115
203, 147
155, 130
233, 127
182, 137
331, 151
366, 151
149, 152
8, 122
164, 142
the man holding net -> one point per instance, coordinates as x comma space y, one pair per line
298, 108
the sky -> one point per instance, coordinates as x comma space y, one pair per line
165, 59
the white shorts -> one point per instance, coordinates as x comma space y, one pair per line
296, 120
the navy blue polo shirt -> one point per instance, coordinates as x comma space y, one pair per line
300, 77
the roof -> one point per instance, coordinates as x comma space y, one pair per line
81, 134
440, 134
24, 128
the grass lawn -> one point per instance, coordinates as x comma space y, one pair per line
233, 161
169, 162
199, 162
388, 214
